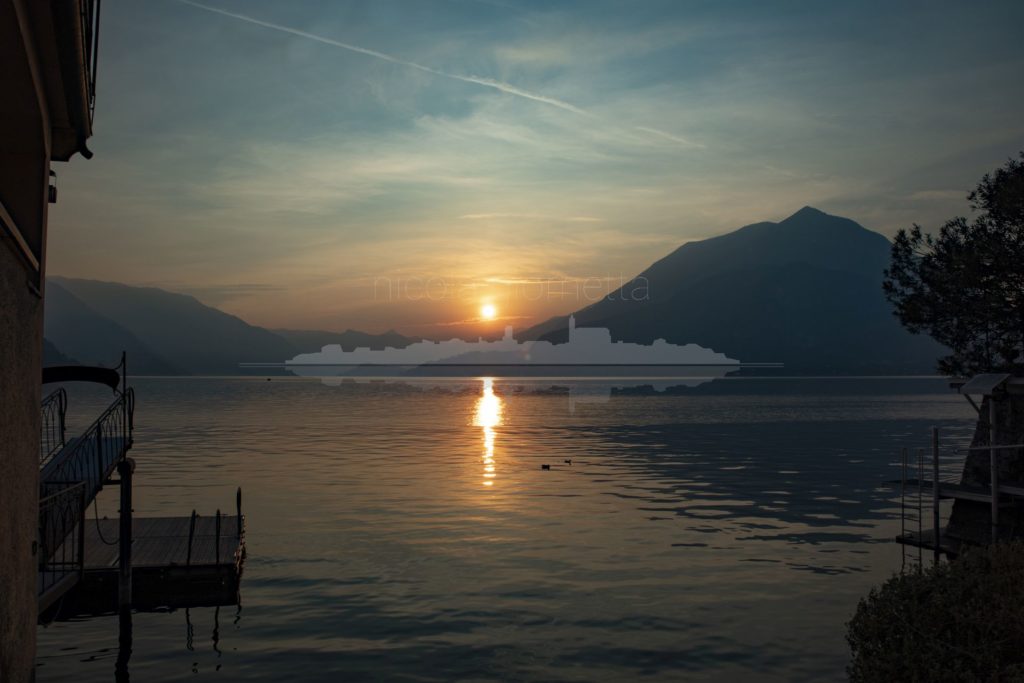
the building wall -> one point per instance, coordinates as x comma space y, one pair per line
24, 168
21, 329
972, 521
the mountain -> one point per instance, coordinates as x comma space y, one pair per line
75, 329
176, 328
53, 356
311, 341
805, 292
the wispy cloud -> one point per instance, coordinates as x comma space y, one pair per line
931, 195
669, 136
474, 321
492, 83
531, 217
485, 82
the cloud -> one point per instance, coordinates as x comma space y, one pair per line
474, 321
531, 217
931, 195
280, 163
485, 82
670, 136
495, 84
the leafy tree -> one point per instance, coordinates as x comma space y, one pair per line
965, 287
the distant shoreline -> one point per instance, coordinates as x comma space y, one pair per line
511, 365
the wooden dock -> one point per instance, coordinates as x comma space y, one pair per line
952, 547
90, 567
176, 562
164, 542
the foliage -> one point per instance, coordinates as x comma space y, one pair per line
959, 621
965, 287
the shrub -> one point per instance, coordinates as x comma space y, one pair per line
959, 621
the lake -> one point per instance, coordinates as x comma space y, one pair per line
407, 531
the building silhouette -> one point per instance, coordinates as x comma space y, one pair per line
47, 79
586, 347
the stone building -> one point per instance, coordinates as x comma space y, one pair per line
47, 88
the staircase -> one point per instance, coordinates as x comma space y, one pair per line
71, 474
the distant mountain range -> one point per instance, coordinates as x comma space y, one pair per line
805, 292
311, 341
164, 333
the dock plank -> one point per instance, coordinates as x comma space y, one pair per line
160, 577
163, 542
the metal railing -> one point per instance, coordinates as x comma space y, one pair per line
54, 410
61, 540
926, 482
92, 457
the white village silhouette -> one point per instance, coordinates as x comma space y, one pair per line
587, 346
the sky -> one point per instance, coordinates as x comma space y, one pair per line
377, 164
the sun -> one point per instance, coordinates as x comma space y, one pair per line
488, 312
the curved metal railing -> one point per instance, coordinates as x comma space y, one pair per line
60, 538
92, 457
54, 410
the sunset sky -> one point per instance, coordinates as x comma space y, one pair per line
290, 161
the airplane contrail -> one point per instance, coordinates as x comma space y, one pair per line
485, 82
669, 136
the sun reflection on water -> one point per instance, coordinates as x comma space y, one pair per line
488, 416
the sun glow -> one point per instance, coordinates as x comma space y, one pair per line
488, 416
488, 311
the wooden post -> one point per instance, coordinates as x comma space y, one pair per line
124, 650
903, 494
191, 535
217, 541
935, 492
993, 466
920, 508
124, 583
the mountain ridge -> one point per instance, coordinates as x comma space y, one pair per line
804, 291
169, 333
809, 268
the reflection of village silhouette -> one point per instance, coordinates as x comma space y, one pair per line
578, 391
589, 349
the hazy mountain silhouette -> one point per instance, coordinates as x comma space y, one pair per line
311, 341
168, 333
805, 292
194, 337
53, 356
75, 329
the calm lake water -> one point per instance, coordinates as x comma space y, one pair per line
406, 532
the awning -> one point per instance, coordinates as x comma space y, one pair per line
82, 373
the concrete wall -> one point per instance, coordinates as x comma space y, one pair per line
21, 327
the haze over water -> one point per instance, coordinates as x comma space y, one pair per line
407, 531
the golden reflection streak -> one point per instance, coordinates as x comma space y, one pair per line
488, 416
